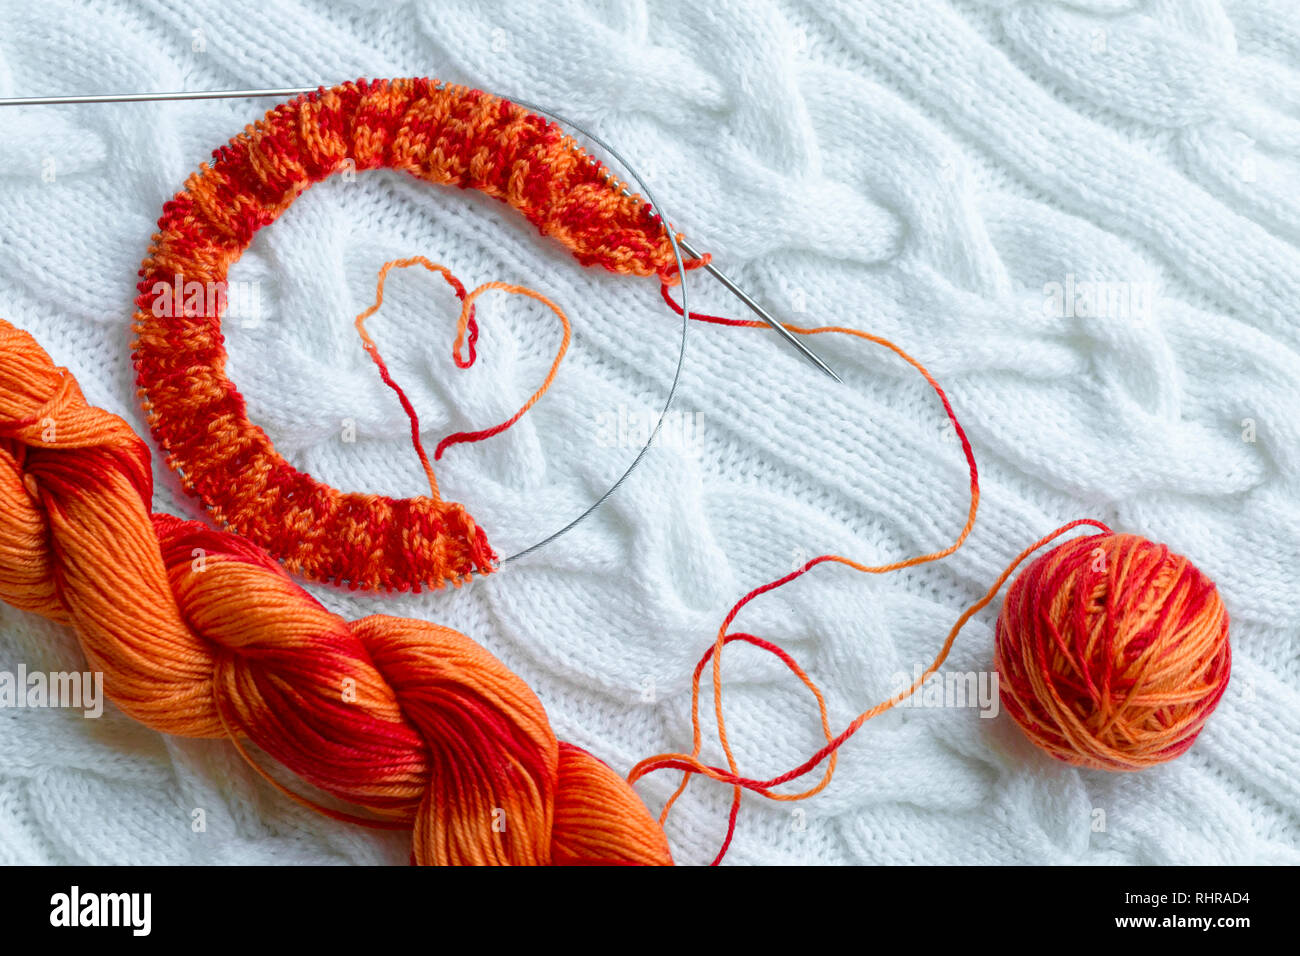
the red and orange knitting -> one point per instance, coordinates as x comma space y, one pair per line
200, 633
441, 133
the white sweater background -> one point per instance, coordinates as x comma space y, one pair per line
930, 171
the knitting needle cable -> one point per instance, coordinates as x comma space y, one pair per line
681, 355
713, 270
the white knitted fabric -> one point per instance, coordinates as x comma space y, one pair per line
930, 171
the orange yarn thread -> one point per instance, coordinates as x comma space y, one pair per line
200, 633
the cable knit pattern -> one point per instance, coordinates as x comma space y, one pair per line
1082, 217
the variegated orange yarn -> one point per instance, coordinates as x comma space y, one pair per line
200, 633
437, 132
1112, 652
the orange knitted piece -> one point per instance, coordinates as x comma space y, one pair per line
440, 133
201, 634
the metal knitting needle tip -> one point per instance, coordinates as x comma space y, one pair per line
762, 313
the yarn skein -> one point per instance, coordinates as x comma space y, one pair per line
200, 633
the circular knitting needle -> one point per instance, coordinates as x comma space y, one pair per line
762, 313
713, 270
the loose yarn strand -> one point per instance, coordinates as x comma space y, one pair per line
373, 351
466, 334
475, 436
691, 763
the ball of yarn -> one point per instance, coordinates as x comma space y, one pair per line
1112, 651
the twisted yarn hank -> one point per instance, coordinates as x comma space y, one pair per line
200, 633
